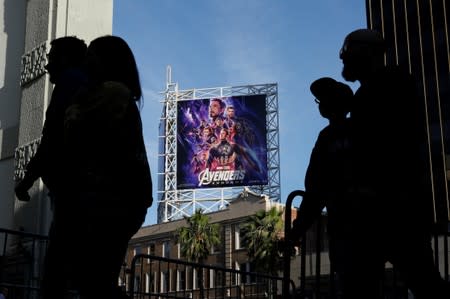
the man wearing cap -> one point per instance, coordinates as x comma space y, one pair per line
387, 140
329, 172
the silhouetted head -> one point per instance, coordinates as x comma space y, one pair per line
109, 58
362, 53
65, 52
334, 98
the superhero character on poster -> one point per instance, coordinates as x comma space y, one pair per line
221, 142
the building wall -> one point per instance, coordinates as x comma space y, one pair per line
419, 34
228, 254
151, 240
28, 27
12, 35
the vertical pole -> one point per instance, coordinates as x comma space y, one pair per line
318, 253
288, 245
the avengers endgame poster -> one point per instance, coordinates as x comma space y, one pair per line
221, 142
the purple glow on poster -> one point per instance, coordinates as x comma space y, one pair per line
221, 142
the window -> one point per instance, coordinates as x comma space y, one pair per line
137, 283
171, 281
137, 251
211, 278
237, 237
237, 243
181, 278
244, 267
220, 278
151, 249
194, 279
166, 249
152, 282
247, 267
190, 278
236, 277
147, 282
165, 281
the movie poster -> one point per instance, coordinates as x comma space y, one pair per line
221, 142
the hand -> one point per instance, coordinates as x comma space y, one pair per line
21, 190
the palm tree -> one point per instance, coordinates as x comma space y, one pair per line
197, 239
261, 233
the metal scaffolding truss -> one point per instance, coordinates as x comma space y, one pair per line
173, 204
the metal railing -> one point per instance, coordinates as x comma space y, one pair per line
158, 277
322, 285
22, 256
21, 260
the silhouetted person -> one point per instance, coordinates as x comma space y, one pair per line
329, 173
389, 186
64, 67
111, 181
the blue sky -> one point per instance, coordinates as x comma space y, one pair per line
213, 43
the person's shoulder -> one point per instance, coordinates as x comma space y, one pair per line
393, 79
395, 73
325, 134
114, 94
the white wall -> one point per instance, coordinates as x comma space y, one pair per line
26, 25
12, 36
86, 19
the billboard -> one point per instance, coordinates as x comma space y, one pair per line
221, 142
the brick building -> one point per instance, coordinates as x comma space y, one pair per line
159, 240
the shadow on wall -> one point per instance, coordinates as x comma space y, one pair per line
12, 37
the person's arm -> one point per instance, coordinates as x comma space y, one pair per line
133, 157
312, 203
309, 211
52, 130
32, 173
35, 167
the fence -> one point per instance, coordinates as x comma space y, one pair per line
22, 254
158, 277
323, 285
21, 260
